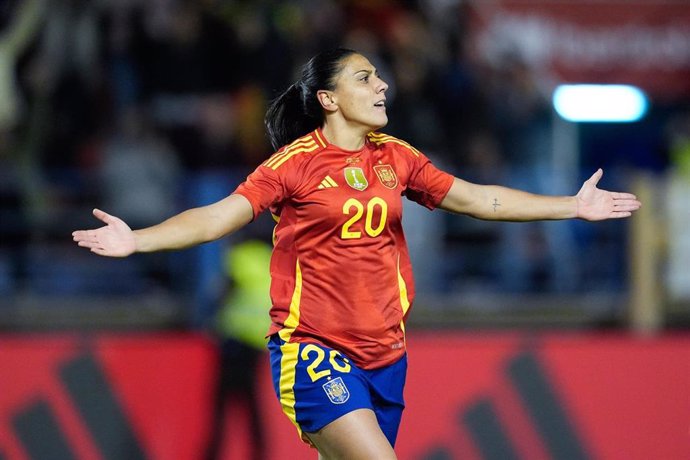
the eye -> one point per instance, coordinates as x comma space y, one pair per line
365, 79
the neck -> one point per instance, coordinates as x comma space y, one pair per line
346, 138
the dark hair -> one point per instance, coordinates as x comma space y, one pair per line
297, 111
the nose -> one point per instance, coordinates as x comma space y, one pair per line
381, 86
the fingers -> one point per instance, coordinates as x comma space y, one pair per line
88, 244
623, 196
92, 235
594, 180
625, 201
85, 235
103, 216
89, 239
626, 207
81, 235
86, 238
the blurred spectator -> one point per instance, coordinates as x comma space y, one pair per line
14, 39
678, 136
68, 62
21, 22
677, 208
461, 96
242, 324
190, 57
14, 228
252, 141
141, 178
140, 170
536, 256
471, 244
414, 69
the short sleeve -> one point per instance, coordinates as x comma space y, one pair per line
264, 187
427, 184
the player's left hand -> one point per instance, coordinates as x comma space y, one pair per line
594, 203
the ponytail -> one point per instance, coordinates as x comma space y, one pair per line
297, 111
286, 118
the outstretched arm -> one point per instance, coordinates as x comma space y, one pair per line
189, 228
493, 202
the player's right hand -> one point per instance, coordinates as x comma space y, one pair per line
115, 239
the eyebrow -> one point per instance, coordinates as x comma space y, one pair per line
368, 72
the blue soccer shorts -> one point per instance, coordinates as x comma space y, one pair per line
316, 385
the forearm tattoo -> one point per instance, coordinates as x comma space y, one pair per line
496, 204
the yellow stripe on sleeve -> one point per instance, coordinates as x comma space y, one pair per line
281, 153
294, 152
288, 151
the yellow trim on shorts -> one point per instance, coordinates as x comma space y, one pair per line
288, 365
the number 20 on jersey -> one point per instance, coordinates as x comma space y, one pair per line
356, 210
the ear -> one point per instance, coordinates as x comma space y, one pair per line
327, 100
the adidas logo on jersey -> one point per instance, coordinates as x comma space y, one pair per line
327, 183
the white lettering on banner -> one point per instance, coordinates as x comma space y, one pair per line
542, 40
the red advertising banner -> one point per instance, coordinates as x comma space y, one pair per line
469, 396
645, 43
104, 397
548, 396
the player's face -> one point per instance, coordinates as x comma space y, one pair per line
360, 94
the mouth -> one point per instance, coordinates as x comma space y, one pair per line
381, 104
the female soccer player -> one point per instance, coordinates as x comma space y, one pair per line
341, 278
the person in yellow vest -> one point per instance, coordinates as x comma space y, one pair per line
241, 323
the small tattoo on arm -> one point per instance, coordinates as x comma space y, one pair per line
496, 204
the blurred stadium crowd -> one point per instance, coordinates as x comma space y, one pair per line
144, 108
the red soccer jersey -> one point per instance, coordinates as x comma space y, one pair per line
341, 273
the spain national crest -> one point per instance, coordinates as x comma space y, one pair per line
386, 175
355, 178
336, 390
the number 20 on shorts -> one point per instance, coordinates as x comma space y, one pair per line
315, 374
